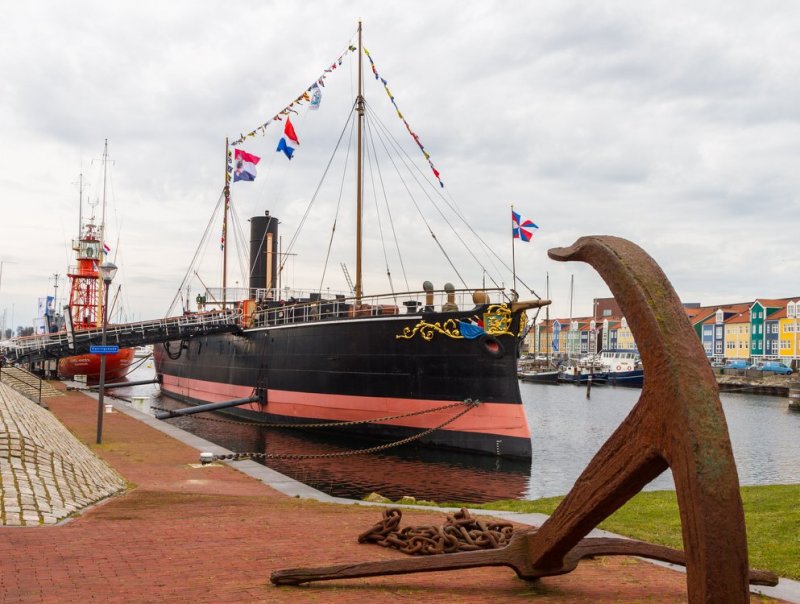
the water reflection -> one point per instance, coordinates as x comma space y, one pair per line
567, 428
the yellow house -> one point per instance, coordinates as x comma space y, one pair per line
737, 336
789, 332
624, 336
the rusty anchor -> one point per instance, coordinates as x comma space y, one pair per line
677, 423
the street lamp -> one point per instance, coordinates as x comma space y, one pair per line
107, 272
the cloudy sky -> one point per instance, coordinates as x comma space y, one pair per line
673, 124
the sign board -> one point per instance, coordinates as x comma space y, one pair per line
104, 349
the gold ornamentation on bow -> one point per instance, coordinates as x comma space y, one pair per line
523, 321
497, 320
428, 330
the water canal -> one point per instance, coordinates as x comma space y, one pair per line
567, 428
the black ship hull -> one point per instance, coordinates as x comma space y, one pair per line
357, 369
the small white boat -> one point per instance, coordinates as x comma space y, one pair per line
623, 367
141, 352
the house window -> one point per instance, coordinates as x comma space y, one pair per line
774, 328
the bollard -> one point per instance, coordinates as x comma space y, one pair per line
141, 403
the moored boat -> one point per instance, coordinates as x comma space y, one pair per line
580, 371
86, 298
142, 352
435, 366
622, 367
549, 376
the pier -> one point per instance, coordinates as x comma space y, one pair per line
223, 530
128, 335
794, 395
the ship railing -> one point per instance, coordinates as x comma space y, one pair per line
174, 325
310, 306
79, 271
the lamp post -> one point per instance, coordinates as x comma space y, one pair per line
107, 272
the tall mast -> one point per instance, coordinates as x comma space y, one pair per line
360, 109
80, 204
101, 252
513, 258
227, 193
105, 179
570, 335
547, 319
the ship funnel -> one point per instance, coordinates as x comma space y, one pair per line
264, 254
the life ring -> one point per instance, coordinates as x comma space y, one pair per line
619, 367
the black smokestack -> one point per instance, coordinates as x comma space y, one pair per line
264, 252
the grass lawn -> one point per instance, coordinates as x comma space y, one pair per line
772, 515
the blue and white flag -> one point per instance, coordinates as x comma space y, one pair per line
316, 97
556, 333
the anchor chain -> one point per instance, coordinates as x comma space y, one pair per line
460, 533
329, 424
469, 406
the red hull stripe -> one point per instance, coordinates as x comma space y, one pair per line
506, 419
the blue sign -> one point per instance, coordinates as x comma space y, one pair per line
104, 349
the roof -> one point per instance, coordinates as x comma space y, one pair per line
778, 314
740, 317
775, 302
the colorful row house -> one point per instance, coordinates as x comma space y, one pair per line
789, 332
574, 338
765, 329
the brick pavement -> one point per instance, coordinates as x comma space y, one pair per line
212, 534
45, 473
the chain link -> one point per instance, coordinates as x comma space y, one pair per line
461, 533
468, 404
329, 424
